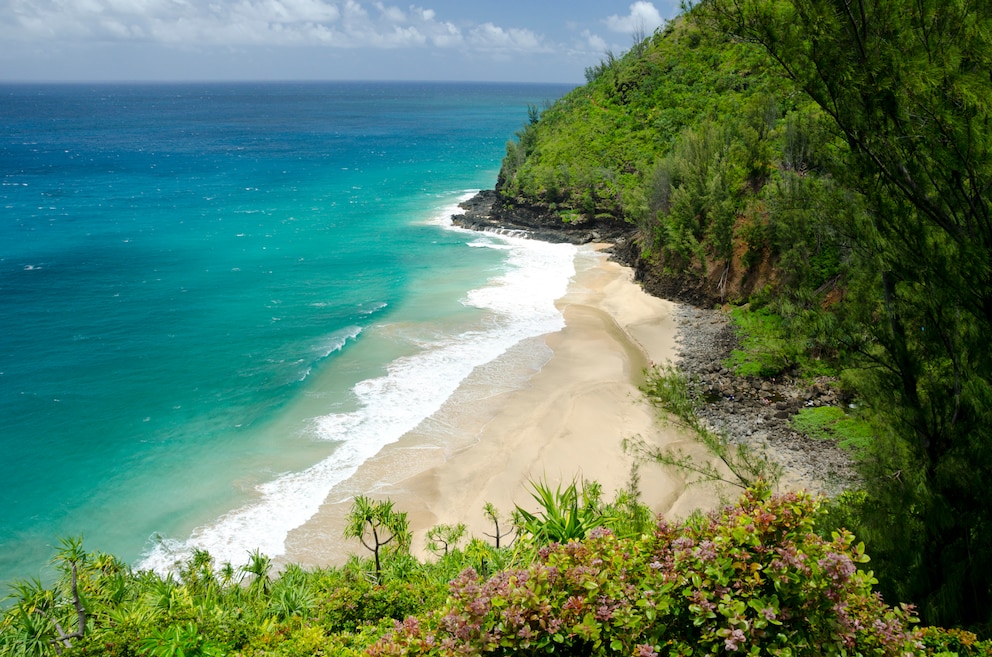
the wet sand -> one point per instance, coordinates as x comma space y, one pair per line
566, 421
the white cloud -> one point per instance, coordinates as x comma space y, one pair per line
355, 11
195, 23
594, 41
492, 37
447, 36
643, 17
391, 14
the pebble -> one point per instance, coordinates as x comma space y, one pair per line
757, 412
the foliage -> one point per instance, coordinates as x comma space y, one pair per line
943, 642
298, 612
667, 388
906, 88
765, 351
757, 576
844, 147
40, 619
178, 641
750, 578
832, 423
494, 516
835, 154
352, 603
566, 514
442, 538
592, 152
258, 567
376, 525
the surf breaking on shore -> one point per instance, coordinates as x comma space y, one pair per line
567, 421
517, 305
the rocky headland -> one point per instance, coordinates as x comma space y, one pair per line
484, 211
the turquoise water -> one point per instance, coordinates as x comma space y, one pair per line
217, 300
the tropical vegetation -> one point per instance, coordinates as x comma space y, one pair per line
762, 576
823, 168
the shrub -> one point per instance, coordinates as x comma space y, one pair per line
765, 349
938, 641
358, 603
751, 579
832, 423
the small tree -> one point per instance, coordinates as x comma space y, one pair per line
494, 515
442, 538
376, 525
667, 388
41, 618
258, 567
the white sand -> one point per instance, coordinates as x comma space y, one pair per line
567, 423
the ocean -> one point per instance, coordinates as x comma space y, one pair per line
217, 300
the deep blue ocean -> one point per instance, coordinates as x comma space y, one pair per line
217, 300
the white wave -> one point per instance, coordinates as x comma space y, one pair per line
485, 243
337, 340
373, 308
520, 305
442, 217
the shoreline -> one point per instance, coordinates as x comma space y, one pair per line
566, 421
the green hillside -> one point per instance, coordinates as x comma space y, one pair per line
694, 139
829, 162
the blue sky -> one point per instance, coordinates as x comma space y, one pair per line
173, 40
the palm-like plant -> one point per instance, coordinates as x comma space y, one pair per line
566, 514
258, 567
443, 538
490, 511
376, 525
179, 641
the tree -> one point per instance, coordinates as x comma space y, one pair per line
258, 567
376, 525
907, 85
442, 538
43, 616
494, 516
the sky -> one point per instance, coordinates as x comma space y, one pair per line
214, 40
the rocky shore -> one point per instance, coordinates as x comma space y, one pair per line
746, 410
482, 212
755, 411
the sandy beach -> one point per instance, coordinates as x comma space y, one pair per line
566, 422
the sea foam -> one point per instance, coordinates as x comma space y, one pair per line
518, 303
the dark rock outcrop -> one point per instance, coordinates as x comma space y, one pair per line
684, 288
487, 211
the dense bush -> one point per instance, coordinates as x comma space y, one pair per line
755, 578
752, 579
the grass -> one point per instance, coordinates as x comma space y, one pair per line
765, 351
768, 347
832, 423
